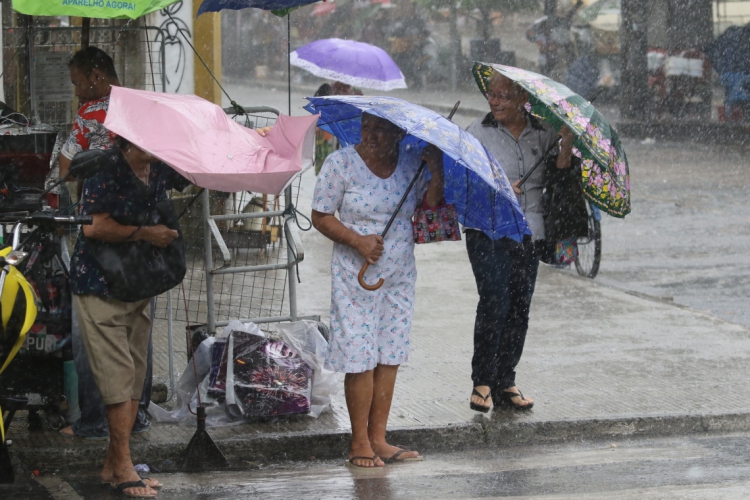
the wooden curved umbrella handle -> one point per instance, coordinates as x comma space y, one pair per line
364, 285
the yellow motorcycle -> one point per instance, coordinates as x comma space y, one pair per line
17, 314
18, 299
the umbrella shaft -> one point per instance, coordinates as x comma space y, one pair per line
190, 203
403, 199
536, 165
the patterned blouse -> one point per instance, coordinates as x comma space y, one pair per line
88, 130
115, 191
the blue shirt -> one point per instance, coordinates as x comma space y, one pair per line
115, 191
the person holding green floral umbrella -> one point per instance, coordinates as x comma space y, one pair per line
604, 165
505, 270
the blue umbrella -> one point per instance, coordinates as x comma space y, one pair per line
278, 7
474, 180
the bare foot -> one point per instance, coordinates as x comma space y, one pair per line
108, 475
364, 451
108, 471
133, 476
484, 390
67, 431
386, 451
519, 400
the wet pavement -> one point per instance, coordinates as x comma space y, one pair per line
687, 239
689, 468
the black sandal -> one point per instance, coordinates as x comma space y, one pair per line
396, 457
505, 400
350, 463
133, 484
476, 407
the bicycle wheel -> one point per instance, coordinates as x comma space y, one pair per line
590, 247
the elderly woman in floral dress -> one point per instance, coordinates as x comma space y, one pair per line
370, 329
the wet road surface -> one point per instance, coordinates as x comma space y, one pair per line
687, 237
695, 468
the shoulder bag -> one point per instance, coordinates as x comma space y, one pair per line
138, 270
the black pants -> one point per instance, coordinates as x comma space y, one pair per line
505, 272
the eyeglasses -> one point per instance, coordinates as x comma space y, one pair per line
491, 96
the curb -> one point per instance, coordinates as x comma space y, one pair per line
481, 433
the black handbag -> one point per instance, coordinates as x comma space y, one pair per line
565, 214
138, 270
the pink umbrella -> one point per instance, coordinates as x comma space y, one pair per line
196, 138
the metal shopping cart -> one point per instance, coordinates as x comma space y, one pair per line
242, 250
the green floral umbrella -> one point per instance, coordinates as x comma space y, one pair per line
606, 179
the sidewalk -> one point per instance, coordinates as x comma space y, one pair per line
600, 363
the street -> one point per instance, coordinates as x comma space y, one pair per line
673, 468
686, 240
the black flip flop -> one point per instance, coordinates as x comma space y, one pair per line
505, 400
132, 484
143, 478
476, 407
395, 460
157, 487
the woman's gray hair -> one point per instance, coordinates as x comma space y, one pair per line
499, 77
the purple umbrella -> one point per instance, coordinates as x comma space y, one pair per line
355, 63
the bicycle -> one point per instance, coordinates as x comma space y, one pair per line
590, 246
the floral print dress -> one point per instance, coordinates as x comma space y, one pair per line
370, 328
